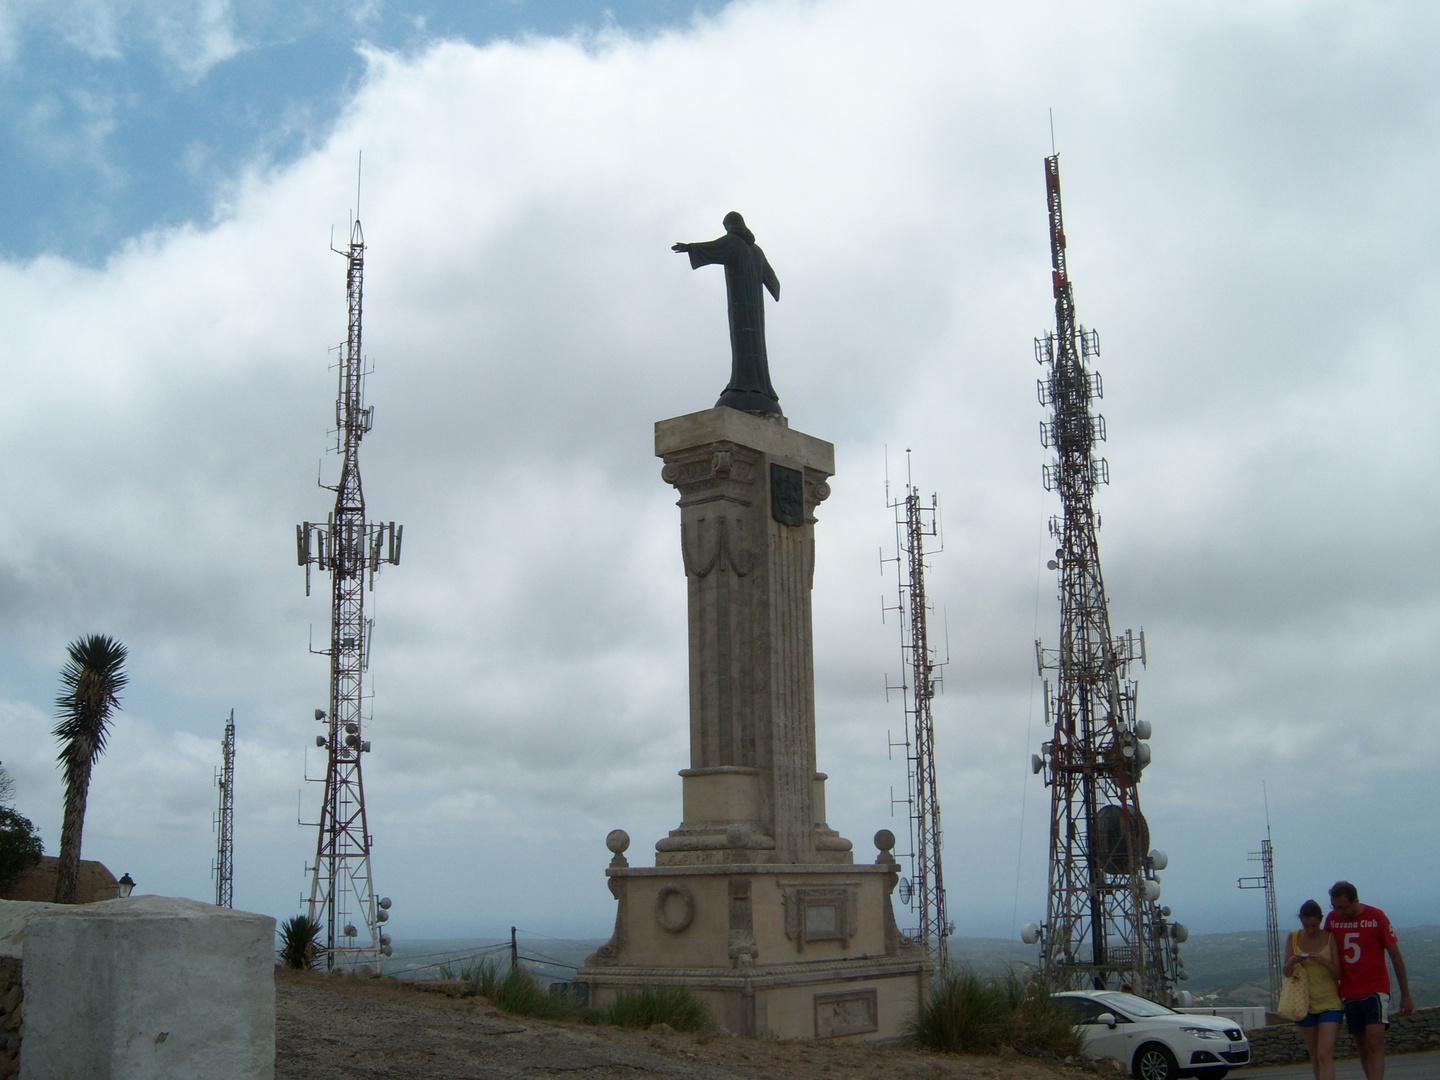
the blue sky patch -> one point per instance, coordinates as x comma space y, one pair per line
120, 119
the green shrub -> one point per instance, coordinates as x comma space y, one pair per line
967, 1014
1036, 1022
674, 1005
299, 943
20, 846
514, 990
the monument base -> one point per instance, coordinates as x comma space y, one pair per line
801, 951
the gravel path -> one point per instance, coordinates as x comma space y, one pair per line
338, 1028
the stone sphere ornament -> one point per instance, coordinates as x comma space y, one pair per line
617, 841
884, 840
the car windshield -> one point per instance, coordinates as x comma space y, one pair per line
1134, 1006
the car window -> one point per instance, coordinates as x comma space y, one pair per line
1083, 1010
1135, 1005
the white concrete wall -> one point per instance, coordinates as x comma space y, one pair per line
15, 915
148, 988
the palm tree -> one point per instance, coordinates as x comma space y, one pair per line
91, 680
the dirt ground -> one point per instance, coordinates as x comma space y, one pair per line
333, 1027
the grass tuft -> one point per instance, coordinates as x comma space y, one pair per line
519, 993
674, 1005
968, 1014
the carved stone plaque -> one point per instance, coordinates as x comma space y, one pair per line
855, 1012
787, 495
821, 914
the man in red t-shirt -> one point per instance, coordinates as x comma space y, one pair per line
1364, 936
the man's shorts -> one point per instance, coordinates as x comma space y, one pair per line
1363, 1012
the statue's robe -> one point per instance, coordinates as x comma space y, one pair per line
746, 272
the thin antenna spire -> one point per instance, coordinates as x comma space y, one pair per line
1052, 132
360, 161
925, 893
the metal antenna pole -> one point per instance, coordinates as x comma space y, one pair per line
1103, 928
225, 821
342, 896
1266, 858
914, 521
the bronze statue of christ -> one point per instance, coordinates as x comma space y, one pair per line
746, 271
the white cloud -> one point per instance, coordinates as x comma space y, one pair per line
1238, 186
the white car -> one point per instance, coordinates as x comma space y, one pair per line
1155, 1042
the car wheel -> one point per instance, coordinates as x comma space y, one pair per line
1154, 1061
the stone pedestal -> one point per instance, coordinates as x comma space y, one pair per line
754, 901
146, 988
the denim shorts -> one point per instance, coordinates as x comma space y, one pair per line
1329, 1016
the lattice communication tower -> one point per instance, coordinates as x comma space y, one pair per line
348, 548
925, 891
1266, 858
224, 868
1104, 927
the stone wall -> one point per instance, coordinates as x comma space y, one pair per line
1284, 1045
11, 995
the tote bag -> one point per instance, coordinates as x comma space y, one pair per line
1294, 1001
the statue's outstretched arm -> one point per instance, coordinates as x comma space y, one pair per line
707, 252
771, 281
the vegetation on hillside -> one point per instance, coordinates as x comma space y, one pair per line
518, 992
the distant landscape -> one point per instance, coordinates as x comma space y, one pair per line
1225, 969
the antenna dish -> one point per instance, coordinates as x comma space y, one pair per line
1030, 933
906, 891
1036, 763
1159, 860
1180, 933
1142, 729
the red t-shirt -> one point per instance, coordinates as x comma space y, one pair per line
1362, 943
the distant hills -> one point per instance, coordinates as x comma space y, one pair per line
1231, 967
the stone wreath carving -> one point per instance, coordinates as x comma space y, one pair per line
674, 908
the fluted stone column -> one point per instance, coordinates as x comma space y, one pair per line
748, 488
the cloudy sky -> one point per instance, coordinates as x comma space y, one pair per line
1249, 204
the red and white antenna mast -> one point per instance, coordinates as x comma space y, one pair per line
1105, 927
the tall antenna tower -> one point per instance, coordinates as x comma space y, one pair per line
1103, 928
925, 892
225, 821
1266, 858
342, 897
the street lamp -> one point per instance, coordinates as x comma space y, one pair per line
126, 885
